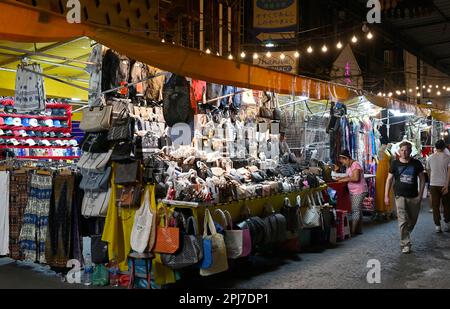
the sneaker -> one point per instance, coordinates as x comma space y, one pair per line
437, 229
406, 250
447, 227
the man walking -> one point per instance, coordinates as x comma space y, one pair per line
438, 168
407, 198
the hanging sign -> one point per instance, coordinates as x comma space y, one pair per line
288, 64
274, 19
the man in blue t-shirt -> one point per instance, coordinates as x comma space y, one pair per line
408, 199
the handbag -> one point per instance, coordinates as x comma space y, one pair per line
191, 251
143, 221
99, 248
129, 196
237, 245
312, 216
94, 181
100, 276
167, 237
265, 110
96, 119
219, 252
127, 173
123, 131
123, 151
95, 204
96, 142
291, 214
94, 161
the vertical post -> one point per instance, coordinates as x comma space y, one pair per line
220, 28
202, 30
229, 29
388, 126
419, 68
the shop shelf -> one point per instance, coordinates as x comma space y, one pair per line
42, 129
48, 157
34, 116
36, 138
34, 147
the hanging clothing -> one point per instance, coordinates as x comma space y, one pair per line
58, 242
4, 213
18, 199
380, 182
34, 230
95, 76
76, 240
29, 89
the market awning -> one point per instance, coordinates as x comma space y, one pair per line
32, 26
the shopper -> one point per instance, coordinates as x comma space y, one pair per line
438, 168
405, 171
357, 186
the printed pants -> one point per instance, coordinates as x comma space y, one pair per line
18, 200
4, 213
357, 215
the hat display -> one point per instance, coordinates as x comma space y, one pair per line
2, 141
57, 124
31, 133
25, 122
9, 133
30, 142
45, 142
17, 122
42, 123
14, 142
23, 133
9, 121
16, 133
49, 123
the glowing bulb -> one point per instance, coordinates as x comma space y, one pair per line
437, 86
282, 56
208, 51
255, 56
380, 94
429, 90
403, 91
269, 54
448, 88
418, 94
390, 94
423, 86
398, 92
324, 48
310, 49
297, 54
230, 56
410, 90
430, 86
339, 45
242, 55
370, 35
163, 41
217, 54
354, 39
438, 93
417, 88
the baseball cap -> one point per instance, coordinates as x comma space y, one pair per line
73, 142
23, 133
52, 134
31, 133
14, 142
25, 122
30, 142
38, 134
16, 133
57, 123
9, 109
42, 123
45, 134
9, 121
2, 132
34, 123
2, 121
17, 122
64, 124
2, 141
49, 123
45, 142
9, 133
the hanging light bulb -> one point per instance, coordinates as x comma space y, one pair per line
403, 91
296, 54
339, 45
243, 55
410, 90
324, 48
217, 54
424, 86
418, 94
354, 39
268, 54
430, 86
163, 41
208, 51
384, 94
390, 94
437, 86
309, 49
417, 88
398, 92
369, 35
380, 94
230, 56
255, 56
429, 90
438, 93
282, 56
448, 88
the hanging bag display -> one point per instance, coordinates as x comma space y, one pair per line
129, 196
94, 161
167, 237
176, 101
95, 204
219, 252
96, 142
128, 173
95, 182
96, 118
191, 251
312, 216
142, 226
99, 248
123, 151
234, 239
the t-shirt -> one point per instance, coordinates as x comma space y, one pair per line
438, 163
359, 186
405, 175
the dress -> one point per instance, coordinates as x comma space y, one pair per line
380, 183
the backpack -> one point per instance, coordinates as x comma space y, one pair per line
176, 101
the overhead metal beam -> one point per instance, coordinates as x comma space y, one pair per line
26, 53
81, 80
389, 31
66, 62
424, 25
437, 43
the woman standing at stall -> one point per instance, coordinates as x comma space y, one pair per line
357, 186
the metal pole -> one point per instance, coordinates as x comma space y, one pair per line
56, 79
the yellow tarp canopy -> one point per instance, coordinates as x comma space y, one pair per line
20, 22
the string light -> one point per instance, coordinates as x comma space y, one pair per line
217, 54
398, 92
417, 88
310, 49
380, 94
230, 56
297, 54
410, 90
243, 55
339, 45
424, 86
324, 48
437, 86
354, 39
429, 90
208, 51
255, 56
418, 94
404, 91
390, 94
282, 56
163, 41
370, 36
269, 54
438, 93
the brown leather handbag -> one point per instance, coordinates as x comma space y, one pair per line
129, 196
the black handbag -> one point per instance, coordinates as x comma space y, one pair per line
123, 151
94, 181
96, 142
123, 131
128, 173
99, 248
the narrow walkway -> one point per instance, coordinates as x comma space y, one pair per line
344, 266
